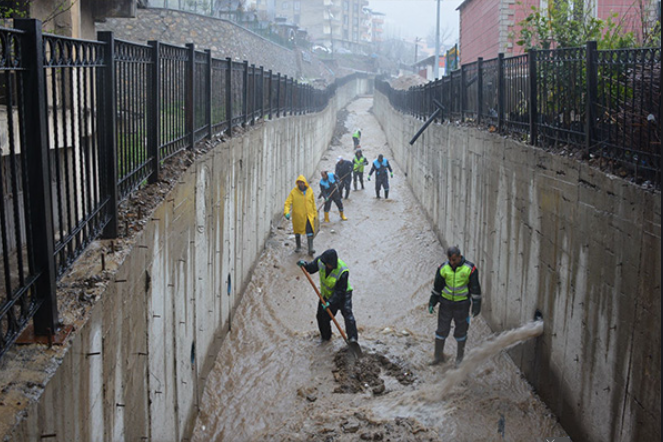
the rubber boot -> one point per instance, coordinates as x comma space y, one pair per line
309, 239
298, 241
460, 353
377, 194
326, 217
343, 218
347, 193
386, 194
354, 185
439, 352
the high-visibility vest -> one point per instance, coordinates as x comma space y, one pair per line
358, 164
357, 134
331, 179
327, 283
456, 282
379, 165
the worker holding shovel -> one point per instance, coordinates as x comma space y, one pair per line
329, 190
335, 292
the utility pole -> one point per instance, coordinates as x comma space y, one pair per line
416, 50
331, 34
436, 62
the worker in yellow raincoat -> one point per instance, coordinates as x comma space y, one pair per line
300, 207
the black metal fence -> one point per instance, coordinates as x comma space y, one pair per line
604, 104
85, 123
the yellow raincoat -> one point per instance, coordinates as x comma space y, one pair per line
303, 207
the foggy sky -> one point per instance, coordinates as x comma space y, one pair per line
416, 18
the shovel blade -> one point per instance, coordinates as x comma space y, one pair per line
355, 350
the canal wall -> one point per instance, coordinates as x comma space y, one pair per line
552, 234
135, 366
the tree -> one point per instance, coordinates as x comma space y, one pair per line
569, 23
10, 9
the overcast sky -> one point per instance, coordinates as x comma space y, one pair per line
416, 18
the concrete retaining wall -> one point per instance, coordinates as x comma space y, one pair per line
553, 234
136, 367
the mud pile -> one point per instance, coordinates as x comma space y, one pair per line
406, 81
359, 375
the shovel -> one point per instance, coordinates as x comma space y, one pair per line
355, 349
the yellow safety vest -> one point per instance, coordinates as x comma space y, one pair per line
327, 283
359, 164
456, 286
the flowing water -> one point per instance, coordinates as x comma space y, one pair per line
273, 379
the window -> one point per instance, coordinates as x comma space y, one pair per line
297, 5
285, 5
346, 5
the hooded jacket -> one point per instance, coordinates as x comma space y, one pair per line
303, 207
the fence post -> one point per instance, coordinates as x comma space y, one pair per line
270, 95
190, 94
254, 94
463, 92
500, 92
592, 74
262, 93
479, 89
229, 96
533, 106
245, 93
292, 95
108, 141
208, 98
285, 95
36, 148
154, 114
278, 95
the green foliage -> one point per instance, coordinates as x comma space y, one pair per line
14, 9
565, 24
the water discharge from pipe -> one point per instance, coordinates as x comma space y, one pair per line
418, 403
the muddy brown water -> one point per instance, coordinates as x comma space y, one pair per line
273, 380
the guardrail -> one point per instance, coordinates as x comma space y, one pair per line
604, 105
85, 123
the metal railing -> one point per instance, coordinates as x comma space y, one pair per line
85, 123
604, 104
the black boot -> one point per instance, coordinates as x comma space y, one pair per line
460, 352
386, 194
377, 194
347, 192
298, 241
309, 239
439, 352
354, 184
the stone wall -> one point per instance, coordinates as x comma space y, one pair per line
553, 234
222, 37
135, 368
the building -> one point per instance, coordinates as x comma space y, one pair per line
488, 27
335, 24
